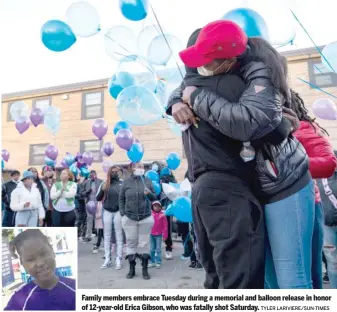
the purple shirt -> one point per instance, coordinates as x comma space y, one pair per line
31, 297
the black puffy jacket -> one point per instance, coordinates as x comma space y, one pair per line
132, 201
111, 200
256, 114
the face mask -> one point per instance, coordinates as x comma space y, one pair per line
139, 172
202, 71
155, 168
114, 176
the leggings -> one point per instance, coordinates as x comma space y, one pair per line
112, 222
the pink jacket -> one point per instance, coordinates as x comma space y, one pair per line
160, 224
98, 216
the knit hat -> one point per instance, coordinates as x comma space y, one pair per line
217, 40
157, 202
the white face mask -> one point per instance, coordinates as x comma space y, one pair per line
155, 168
139, 172
202, 71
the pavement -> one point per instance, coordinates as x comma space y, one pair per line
173, 274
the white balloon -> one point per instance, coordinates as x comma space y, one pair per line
83, 19
19, 110
120, 41
145, 38
330, 57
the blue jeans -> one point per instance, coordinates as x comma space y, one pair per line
317, 247
290, 227
330, 252
29, 218
155, 248
8, 219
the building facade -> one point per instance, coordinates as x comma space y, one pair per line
82, 103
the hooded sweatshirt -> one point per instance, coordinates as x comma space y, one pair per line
160, 224
22, 195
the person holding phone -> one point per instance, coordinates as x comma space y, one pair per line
26, 201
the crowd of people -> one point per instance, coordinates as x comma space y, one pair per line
263, 175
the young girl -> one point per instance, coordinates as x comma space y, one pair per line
98, 226
47, 292
158, 234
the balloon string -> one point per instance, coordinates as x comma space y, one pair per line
127, 51
316, 87
313, 42
162, 32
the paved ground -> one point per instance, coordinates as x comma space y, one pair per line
173, 274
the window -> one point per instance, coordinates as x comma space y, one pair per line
9, 116
320, 76
37, 154
93, 146
92, 105
43, 104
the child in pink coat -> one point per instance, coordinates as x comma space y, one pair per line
158, 234
98, 226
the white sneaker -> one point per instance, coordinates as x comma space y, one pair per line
168, 255
95, 250
107, 264
151, 265
118, 263
158, 265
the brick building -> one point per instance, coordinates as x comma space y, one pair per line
82, 103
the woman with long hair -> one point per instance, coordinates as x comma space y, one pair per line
41, 187
63, 195
108, 194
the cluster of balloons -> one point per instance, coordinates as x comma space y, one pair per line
78, 164
325, 109
23, 117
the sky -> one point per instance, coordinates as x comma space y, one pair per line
26, 64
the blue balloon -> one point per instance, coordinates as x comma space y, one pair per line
161, 92
175, 185
49, 162
181, 208
119, 82
250, 21
73, 168
57, 36
152, 175
69, 159
156, 187
52, 119
121, 125
139, 106
173, 161
136, 152
85, 172
165, 172
2, 164
135, 10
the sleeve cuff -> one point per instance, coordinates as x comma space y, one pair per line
194, 94
169, 108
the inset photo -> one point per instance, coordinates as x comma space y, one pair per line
39, 269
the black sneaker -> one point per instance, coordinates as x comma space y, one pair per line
199, 266
192, 266
326, 279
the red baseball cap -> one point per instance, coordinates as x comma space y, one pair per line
217, 40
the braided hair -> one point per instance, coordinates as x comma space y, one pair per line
297, 105
19, 240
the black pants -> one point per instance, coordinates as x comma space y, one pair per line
229, 226
80, 221
48, 221
99, 237
64, 219
184, 230
193, 256
168, 241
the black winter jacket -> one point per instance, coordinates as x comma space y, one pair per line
10, 187
132, 201
111, 202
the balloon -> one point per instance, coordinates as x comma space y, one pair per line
136, 152
161, 92
145, 38
138, 106
162, 48
52, 119
142, 71
57, 36
175, 190
124, 139
22, 125
5, 155
173, 161
88, 158
73, 168
64, 164
108, 148
69, 159
135, 10
165, 172
118, 82
181, 208
85, 172
156, 187
91, 207
2, 164
325, 109
106, 165
36, 116
51, 152
120, 41
49, 162
100, 128
175, 128
83, 19
250, 21
121, 125
19, 110
330, 54
152, 175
